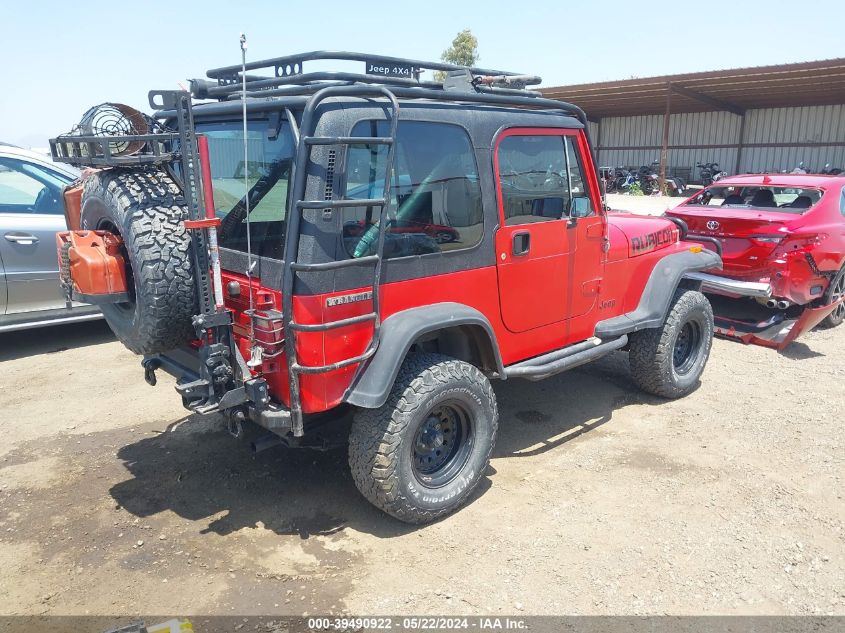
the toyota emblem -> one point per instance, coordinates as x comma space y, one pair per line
712, 225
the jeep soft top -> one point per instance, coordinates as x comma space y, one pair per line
314, 243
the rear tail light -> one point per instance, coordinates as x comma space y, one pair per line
766, 240
269, 327
796, 242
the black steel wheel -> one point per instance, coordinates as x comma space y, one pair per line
668, 361
687, 346
421, 454
442, 444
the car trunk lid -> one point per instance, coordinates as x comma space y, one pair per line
748, 236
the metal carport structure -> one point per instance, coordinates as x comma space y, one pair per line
799, 107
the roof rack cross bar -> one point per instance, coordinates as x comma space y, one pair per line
293, 60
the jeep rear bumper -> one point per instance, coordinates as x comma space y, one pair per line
183, 364
731, 287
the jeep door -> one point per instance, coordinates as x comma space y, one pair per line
546, 214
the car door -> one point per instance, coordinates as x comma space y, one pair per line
541, 192
2, 285
31, 212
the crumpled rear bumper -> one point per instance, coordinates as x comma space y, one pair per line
776, 332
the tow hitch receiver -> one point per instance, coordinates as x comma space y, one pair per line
93, 269
775, 330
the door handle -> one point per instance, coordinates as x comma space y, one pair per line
521, 243
21, 238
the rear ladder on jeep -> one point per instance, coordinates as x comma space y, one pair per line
307, 141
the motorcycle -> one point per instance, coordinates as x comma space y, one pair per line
625, 179
710, 173
650, 179
620, 180
800, 169
608, 177
830, 171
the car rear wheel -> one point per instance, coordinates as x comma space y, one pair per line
835, 292
420, 455
668, 361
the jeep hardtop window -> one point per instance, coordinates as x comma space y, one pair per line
540, 175
796, 200
435, 203
270, 155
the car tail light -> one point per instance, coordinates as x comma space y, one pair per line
802, 241
269, 327
766, 240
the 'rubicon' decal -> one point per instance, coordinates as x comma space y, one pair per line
343, 299
650, 241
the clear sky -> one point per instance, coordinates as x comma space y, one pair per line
62, 57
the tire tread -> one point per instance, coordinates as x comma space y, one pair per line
148, 208
377, 433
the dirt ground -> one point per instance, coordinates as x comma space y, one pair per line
599, 500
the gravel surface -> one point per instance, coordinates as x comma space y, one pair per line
599, 499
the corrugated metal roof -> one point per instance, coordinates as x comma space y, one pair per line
785, 85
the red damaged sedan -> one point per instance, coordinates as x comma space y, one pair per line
782, 239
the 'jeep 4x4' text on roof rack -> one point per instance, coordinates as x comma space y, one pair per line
306, 244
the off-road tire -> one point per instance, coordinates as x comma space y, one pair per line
652, 352
382, 441
834, 291
146, 209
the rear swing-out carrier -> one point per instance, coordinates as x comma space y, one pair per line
222, 380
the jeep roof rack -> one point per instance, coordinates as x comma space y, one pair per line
378, 69
400, 75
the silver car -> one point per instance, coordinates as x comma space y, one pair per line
31, 212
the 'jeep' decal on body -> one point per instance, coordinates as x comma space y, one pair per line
650, 241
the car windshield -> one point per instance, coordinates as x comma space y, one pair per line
760, 198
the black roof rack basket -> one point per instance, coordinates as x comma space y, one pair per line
288, 78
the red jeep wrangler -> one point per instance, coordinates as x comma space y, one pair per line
217, 241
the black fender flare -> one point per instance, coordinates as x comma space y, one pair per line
654, 303
398, 332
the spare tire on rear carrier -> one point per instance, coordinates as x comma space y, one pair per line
146, 209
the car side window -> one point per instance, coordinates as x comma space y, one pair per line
578, 188
28, 188
540, 176
435, 194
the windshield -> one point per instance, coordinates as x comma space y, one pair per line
270, 151
795, 200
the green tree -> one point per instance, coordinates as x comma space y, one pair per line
463, 51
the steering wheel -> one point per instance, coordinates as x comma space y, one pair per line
534, 180
44, 202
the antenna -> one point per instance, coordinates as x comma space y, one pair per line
255, 350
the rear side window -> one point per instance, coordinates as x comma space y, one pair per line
540, 176
435, 197
795, 200
270, 154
